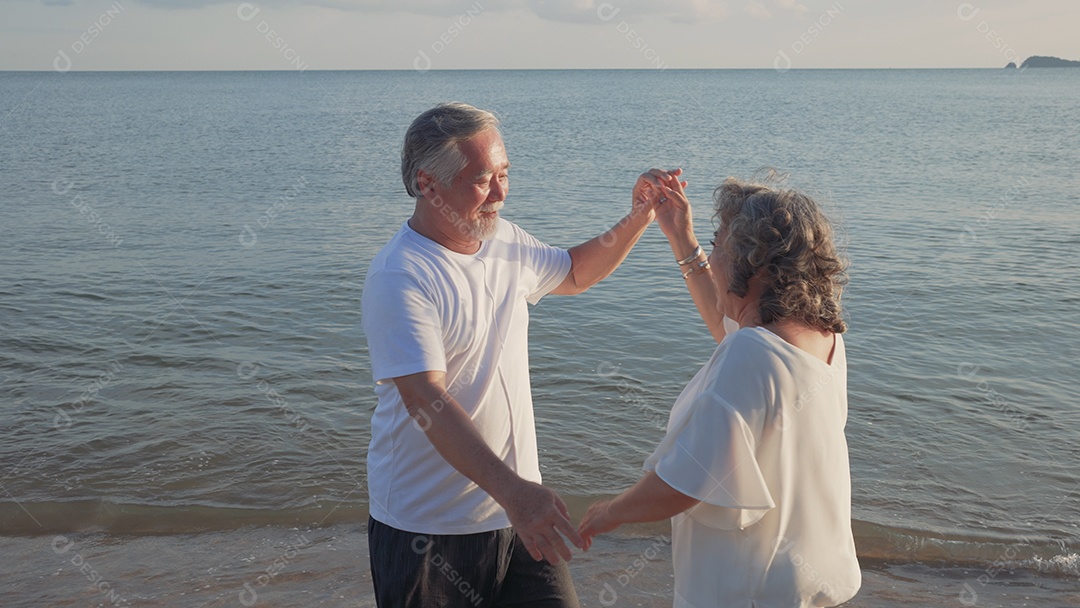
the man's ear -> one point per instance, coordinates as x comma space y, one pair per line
425, 182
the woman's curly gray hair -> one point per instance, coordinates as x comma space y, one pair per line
784, 235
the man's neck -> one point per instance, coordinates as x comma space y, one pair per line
455, 243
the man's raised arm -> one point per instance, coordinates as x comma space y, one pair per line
593, 260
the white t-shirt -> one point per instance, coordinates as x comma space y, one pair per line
758, 437
426, 308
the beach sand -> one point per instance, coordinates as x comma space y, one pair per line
278, 566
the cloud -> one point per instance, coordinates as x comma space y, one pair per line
566, 10
188, 4
594, 11
757, 9
572, 11
793, 6
437, 8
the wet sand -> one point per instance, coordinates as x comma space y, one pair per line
275, 566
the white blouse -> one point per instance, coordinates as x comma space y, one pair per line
758, 437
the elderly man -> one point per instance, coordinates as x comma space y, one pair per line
458, 515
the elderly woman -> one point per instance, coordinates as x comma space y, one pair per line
753, 471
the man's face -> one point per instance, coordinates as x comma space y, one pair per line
469, 205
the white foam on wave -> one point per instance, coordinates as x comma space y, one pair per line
1068, 564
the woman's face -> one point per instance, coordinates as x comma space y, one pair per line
720, 264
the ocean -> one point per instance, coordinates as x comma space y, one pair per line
185, 390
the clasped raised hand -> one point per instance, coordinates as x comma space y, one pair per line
664, 191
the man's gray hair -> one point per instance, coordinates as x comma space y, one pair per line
431, 143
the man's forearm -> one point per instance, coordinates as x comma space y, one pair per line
536, 513
457, 440
595, 259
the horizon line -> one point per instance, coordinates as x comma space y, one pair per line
769, 69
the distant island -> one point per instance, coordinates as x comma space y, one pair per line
1038, 61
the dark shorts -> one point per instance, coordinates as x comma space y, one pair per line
462, 570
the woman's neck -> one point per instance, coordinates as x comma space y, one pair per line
817, 342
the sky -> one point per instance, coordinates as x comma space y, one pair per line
425, 35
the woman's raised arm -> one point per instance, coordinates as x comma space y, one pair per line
675, 216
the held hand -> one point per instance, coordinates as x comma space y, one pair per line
596, 521
647, 189
673, 211
538, 515
645, 195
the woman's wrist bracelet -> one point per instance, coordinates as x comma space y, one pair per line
700, 268
693, 256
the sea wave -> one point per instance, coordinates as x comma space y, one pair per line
876, 543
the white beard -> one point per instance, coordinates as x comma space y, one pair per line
483, 228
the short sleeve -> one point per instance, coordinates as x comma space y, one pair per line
712, 458
402, 325
550, 264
